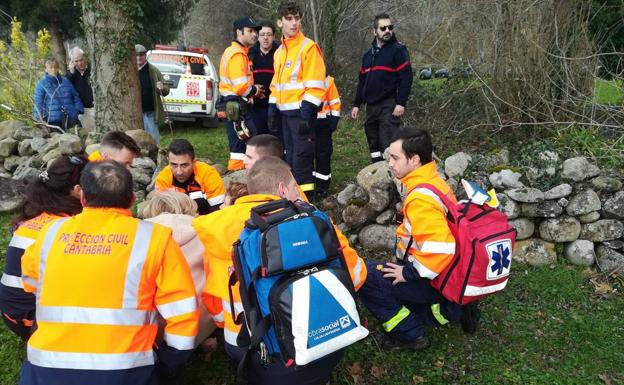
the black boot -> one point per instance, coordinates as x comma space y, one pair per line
387, 341
470, 318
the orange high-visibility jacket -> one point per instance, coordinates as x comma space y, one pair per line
99, 278
424, 219
206, 183
235, 72
299, 74
331, 100
218, 231
14, 302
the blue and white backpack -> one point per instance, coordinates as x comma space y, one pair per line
297, 294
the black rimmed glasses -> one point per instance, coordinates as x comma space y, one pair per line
388, 27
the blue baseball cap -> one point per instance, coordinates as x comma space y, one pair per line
246, 22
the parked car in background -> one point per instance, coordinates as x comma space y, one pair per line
193, 83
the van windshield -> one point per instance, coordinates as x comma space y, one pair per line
179, 64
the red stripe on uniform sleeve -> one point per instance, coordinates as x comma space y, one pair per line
264, 71
384, 68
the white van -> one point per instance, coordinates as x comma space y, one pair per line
193, 83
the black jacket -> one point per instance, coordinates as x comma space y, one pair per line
262, 70
386, 73
82, 85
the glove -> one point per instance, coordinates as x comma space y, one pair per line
308, 110
304, 127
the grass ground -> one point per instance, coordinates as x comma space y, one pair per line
609, 91
553, 325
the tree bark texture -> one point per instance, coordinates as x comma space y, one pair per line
110, 38
58, 48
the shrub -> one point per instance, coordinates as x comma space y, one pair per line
21, 64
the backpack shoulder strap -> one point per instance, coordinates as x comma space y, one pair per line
433, 192
448, 206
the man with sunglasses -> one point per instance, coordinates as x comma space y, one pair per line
384, 85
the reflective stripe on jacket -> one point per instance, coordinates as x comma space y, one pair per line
205, 181
99, 279
299, 74
235, 72
424, 219
13, 299
218, 231
331, 100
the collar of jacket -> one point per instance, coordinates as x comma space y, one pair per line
106, 211
255, 49
50, 78
256, 198
293, 41
240, 45
392, 40
423, 174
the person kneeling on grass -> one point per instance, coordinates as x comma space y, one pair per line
268, 180
177, 211
55, 194
399, 294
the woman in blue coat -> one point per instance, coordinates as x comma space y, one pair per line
55, 96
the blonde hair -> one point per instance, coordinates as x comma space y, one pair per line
169, 201
51, 62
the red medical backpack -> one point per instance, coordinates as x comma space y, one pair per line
484, 242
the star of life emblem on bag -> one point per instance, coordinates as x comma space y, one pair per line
500, 258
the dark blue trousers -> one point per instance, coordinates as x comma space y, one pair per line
260, 119
299, 152
323, 152
259, 115
37, 375
386, 302
315, 373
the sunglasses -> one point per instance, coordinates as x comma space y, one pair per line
388, 27
75, 160
77, 163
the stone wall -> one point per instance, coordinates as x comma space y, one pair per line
25, 151
571, 208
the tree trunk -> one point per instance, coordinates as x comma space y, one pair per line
109, 33
58, 48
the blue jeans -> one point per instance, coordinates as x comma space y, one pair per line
149, 125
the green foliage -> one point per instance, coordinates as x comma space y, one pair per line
38, 14
20, 68
609, 92
588, 141
156, 20
605, 24
159, 21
